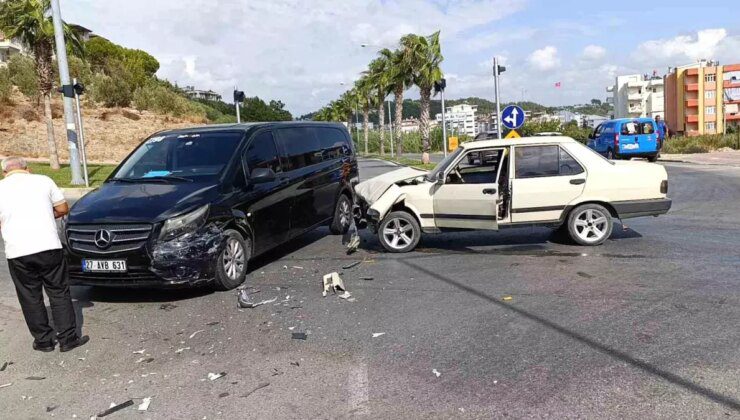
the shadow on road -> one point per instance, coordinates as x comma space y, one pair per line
91, 294
614, 353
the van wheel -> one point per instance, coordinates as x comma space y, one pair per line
653, 158
610, 154
231, 268
342, 215
399, 232
590, 224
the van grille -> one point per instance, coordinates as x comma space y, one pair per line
108, 238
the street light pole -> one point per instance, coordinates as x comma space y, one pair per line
390, 126
78, 90
68, 92
444, 122
498, 102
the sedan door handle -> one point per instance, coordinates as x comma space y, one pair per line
489, 191
578, 181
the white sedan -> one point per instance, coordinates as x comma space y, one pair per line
550, 181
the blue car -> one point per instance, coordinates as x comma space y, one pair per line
627, 138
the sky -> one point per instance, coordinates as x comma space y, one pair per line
307, 52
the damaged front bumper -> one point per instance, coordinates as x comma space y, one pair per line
187, 261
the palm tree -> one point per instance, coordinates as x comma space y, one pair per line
30, 21
424, 55
379, 77
367, 100
400, 78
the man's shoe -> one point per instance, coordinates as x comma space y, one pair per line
79, 341
45, 347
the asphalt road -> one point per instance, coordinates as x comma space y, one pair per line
645, 326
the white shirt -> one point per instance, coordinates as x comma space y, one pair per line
27, 214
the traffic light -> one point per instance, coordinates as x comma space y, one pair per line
239, 96
440, 85
501, 69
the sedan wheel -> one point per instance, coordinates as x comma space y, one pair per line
399, 232
590, 224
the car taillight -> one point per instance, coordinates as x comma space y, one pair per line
616, 141
664, 187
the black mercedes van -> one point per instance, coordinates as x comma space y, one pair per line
192, 206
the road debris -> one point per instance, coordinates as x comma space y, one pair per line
195, 333
354, 264
6, 385
167, 306
367, 278
223, 395
180, 350
376, 335
351, 239
508, 298
297, 267
245, 302
276, 372
257, 388
334, 283
5, 366
345, 295
214, 376
140, 351
296, 364
113, 408
50, 408
212, 323
35, 378
436, 373
585, 275
299, 336
144, 406
145, 360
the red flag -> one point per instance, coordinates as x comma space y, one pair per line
557, 84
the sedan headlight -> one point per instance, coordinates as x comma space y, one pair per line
181, 225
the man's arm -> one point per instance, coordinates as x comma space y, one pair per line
61, 209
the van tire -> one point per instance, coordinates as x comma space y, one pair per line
409, 227
653, 158
236, 250
342, 215
587, 220
610, 154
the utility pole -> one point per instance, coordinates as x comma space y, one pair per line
390, 126
79, 90
238, 99
496, 73
440, 87
68, 92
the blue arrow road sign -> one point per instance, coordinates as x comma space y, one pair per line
512, 117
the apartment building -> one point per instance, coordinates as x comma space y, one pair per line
8, 48
637, 95
208, 95
460, 119
701, 97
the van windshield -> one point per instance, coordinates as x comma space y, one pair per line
180, 155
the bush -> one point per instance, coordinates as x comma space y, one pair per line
110, 91
22, 72
700, 144
159, 98
6, 87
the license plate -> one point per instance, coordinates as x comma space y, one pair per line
104, 266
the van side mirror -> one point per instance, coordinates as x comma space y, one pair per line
440, 178
262, 175
591, 136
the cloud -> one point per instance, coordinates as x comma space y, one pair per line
683, 47
545, 58
593, 52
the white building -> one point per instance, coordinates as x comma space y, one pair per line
637, 95
8, 48
460, 119
208, 95
592, 121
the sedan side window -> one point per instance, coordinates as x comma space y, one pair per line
478, 167
568, 165
537, 161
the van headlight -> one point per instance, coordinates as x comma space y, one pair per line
181, 225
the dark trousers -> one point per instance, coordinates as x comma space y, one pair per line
47, 269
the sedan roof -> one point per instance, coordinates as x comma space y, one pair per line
517, 141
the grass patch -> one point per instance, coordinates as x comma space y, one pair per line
96, 173
414, 163
701, 144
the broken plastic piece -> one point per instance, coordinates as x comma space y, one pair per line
351, 238
436, 373
257, 388
354, 264
178, 351
345, 295
299, 336
367, 278
5, 365
508, 298
145, 404
196, 333
245, 302
167, 306
36, 378
376, 335
332, 282
6, 385
214, 376
115, 408
223, 395
140, 351
50, 408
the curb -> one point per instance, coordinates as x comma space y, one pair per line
75, 193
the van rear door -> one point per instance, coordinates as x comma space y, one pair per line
636, 137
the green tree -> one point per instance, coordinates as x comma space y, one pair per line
30, 21
400, 77
6, 87
425, 57
367, 99
22, 70
378, 76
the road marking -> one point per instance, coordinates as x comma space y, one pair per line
359, 391
384, 161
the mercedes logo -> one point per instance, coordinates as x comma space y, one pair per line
102, 238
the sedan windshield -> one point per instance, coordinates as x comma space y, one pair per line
432, 175
174, 157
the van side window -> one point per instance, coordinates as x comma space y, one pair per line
301, 147
537, 161
333, 143
262, 153
628, 129
646, 128
568, 165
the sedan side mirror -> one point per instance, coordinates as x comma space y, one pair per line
440, 178
262, 175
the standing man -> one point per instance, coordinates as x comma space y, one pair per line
29, 205
662, 131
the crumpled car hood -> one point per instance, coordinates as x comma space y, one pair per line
372, 189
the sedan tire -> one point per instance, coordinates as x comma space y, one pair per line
590, 224
399, 232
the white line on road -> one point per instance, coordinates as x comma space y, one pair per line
359, 391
